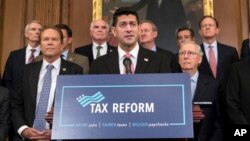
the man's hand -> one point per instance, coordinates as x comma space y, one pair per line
49, 116
33, 134
197, 114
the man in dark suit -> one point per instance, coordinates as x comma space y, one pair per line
126, 30
67, 54
4, 113
204, 90
99, 31
217, 58
18, 58
237, 93
245, 50
224, 55
27, 95
148, 34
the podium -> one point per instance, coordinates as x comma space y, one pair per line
141, 106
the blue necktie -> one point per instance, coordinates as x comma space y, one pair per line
41, 110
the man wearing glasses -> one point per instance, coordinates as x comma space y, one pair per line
204, 90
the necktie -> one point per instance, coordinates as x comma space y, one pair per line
98, 54
212, 61
128, 64
32, 57
40, 122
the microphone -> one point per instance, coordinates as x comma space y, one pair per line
127, 63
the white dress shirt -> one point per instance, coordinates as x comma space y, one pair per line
54, 73
28, 52
133, 58
206, 48
103, 50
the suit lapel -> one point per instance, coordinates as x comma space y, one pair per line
34, 75
220, 58
90, 53
23, 55
200, 88
205, 62
71, 57
64, 68
142, 60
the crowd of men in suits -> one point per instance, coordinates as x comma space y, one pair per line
26, 69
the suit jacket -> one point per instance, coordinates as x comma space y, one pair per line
238, 93
245, 50
174, 65
80, 60
87, 51
23, 101
209, 129
148, 62
227, 55
13, 67
4, 113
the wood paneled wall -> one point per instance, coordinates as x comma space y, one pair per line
76, 13
233, 16
233, 21
1, 31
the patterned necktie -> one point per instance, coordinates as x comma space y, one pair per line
127, 57
98, 54
32, 57
212, 61
40, 122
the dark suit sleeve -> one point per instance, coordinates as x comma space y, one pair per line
233, 100
236, 56
4, 113
78, 51
17, 112
245, 50
7, 75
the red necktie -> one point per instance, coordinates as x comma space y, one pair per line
212, 61
32, 57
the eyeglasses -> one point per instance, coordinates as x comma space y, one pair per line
188, 53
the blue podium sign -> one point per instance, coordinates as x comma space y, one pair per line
123, 107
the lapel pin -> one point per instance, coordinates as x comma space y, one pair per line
146, 59
64, 69
70, 59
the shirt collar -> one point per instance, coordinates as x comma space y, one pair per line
195, 77
65, 53
206, 45
37, 48
133, 52
154, 48
56, 63
104, 45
